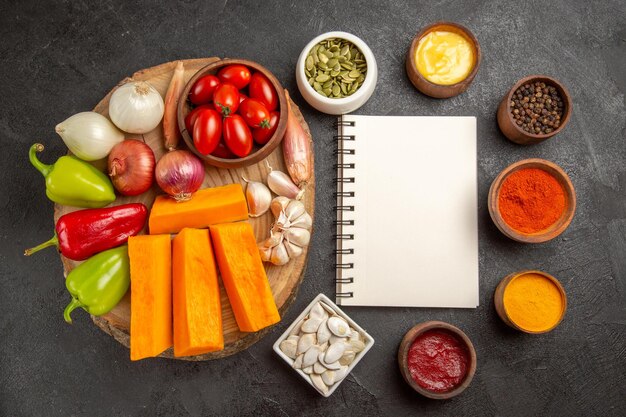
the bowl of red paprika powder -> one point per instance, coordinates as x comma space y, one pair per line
532, 201
437, 359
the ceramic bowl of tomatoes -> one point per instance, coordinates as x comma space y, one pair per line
232, 113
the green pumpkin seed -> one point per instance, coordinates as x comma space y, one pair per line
311, 81
332, 62
355, 73
328, 84
317, 86
322, 78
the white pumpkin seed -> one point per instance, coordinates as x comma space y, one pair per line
337, 326
333, 366
294, 337
347, 358
318, 383
355, 335
336, 339
328, 377
311, 325
297, 364
323, 333
306, 341
316, 311
289, 348
318, 368
355, 345
296, 328
308, 370
341, 373
334, 352
311, 356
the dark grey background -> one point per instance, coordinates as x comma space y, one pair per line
61, 58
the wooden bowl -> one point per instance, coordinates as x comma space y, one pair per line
498, 298
544, 235
403, 352
437, 90
258, 153
516, 134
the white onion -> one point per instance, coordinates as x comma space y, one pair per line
180, 174
136, 107
89, 135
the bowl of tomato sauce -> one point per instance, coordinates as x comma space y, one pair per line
232, 113
437, 359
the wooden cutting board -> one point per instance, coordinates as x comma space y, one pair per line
284, 280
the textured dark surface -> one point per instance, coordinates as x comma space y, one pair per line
61, 58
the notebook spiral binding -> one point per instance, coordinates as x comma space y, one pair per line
345, 221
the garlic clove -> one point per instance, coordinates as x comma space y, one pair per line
298, 236
281, 184
304, 221
279, 255
293, 250
266, 254
258, 197
294, 210
278, 205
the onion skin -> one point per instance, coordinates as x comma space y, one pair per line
297, 149
131, 167
179, 174
170, 122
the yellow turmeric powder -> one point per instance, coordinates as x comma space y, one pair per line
533, 302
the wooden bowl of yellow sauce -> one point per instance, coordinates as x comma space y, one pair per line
443, 59
531, 301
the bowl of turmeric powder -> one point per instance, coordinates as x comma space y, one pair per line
530, 301
532, 201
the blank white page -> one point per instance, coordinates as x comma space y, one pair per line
415, 212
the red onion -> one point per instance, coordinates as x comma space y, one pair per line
180, 174
131, 167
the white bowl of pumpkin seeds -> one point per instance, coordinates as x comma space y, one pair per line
336, 73
323, 345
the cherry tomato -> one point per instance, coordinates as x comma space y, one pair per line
254, 113
226, 99
191, 117
262, 89
242, 97
238, 75
222, 151
202, 91
207, 131
262, 135
237, 135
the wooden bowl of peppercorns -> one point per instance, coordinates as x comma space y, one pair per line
535, 109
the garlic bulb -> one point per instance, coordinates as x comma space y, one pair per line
136, 107
89, 135
290, 233
281, 184
258, 197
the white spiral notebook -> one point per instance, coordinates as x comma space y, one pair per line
407, 221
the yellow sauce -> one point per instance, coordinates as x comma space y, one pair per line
444, 58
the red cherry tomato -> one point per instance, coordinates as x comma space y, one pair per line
262, 135
237, 135
222, 151
202, 91
226, 99
254, 113
262, 89
191, 117
207, 131
238, 75
242, 97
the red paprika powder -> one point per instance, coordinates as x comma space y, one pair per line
438, 360
531, 200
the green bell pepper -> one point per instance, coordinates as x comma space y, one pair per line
99, 283
73, 182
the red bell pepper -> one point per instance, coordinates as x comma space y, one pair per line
83, 233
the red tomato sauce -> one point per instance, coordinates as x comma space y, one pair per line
438, 360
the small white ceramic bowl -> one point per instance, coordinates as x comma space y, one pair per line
366, 338
338, 105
